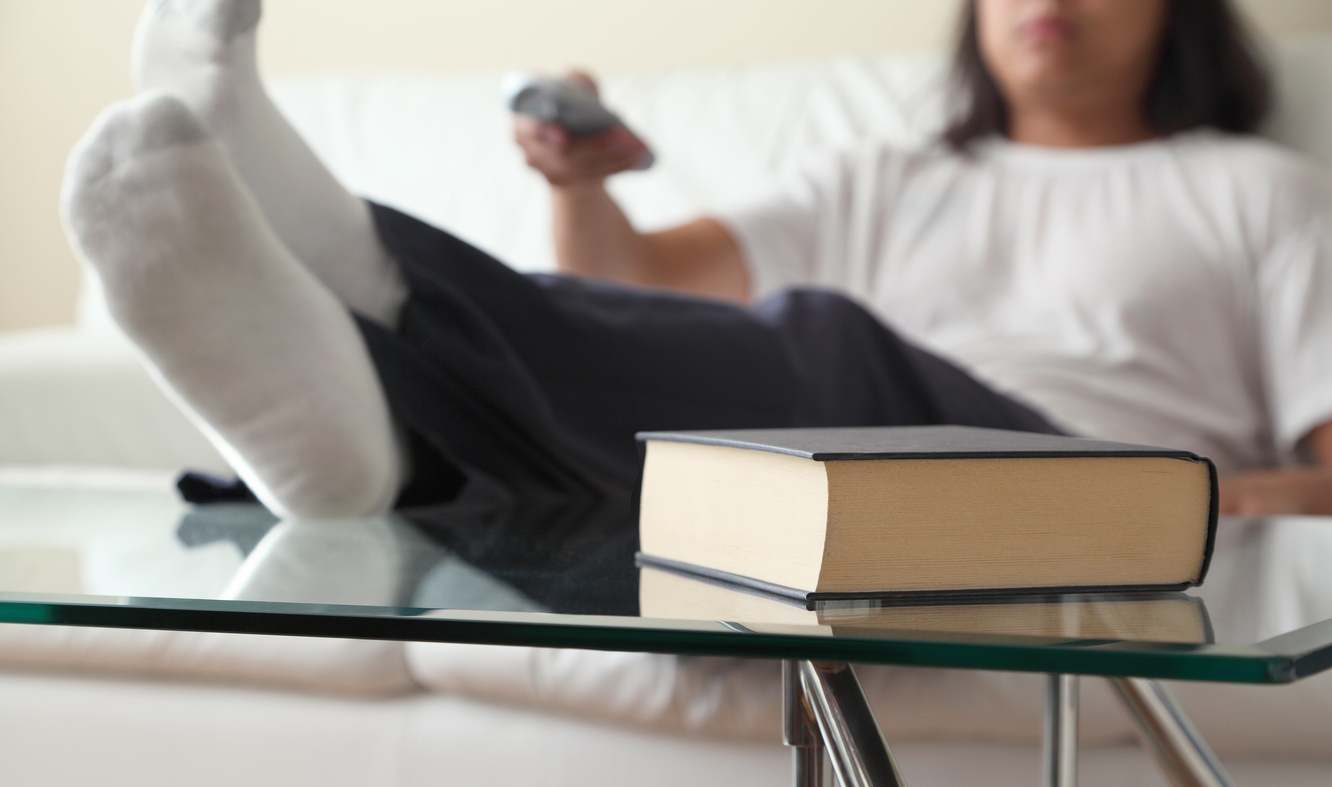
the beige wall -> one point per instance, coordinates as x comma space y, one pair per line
63, 60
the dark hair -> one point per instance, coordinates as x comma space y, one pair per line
1208, 73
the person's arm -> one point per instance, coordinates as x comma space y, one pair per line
593, 237
1296, 490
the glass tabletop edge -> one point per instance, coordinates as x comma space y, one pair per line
1224, 663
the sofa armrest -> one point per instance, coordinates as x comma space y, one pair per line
73, 399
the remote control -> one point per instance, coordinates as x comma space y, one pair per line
567, 104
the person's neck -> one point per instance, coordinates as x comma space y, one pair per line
1061, 128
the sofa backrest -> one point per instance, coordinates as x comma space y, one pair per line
440, 147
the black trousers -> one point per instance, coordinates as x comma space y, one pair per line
534, 386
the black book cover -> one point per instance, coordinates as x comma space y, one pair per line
913, 442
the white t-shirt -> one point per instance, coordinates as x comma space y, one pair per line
1175, 292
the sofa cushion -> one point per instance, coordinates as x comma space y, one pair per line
81, 397
738, 699
332, 666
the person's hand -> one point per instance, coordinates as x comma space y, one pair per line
1302, 490
567, 160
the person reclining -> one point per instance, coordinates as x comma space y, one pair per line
339, 352
1097, 232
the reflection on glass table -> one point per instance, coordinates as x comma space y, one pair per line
108, 558
1151, 617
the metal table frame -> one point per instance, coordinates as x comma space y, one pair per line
826, 712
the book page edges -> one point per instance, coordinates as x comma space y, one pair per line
1075, 522
774, 507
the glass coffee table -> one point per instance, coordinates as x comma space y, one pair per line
500, 572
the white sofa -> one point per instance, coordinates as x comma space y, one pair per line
122, 707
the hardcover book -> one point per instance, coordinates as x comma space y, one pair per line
866, 512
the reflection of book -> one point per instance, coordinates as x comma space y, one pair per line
829, 512
1147, 617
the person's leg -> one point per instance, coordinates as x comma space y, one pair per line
260, 353
521, 376
204, 51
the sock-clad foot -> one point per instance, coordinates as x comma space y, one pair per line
204, 52
260, 354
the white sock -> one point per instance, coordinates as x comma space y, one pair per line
204, 51
259, 353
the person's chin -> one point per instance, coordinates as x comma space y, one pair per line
1052, 71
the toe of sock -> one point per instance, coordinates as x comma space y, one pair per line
159, 120
149, 122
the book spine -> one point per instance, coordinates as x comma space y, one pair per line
1213, 514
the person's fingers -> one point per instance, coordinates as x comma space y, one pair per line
608, 144
1268, 493
526, 130
1227, 499
1243, 502
531, 132
543, 145
566, 159
621, 138
554, 136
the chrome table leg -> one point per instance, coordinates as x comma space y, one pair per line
799, 730
1060, 767
856, 746
1178, 747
